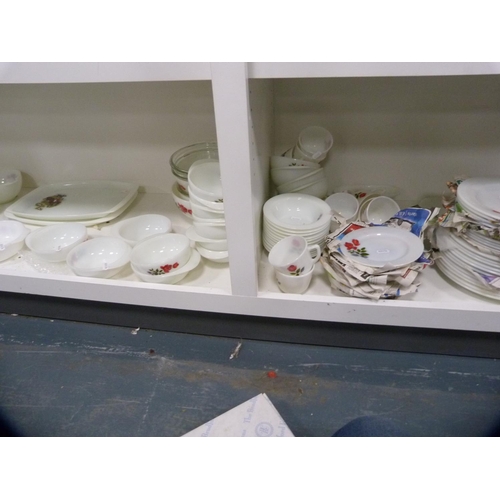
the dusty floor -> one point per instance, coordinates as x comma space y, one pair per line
62, 378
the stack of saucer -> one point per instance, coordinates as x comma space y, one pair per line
295, 214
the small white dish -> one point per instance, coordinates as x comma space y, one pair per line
382, 246
221, 256
100, 257
139, 228
161, 254
11, 182
53, 243
173, 276
12, 236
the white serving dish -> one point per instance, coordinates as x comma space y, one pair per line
86, 222
139, 228
174, 276
11, 182
12, 236
53, 243
74, 201
101, 257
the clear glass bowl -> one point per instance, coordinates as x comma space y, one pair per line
183, 158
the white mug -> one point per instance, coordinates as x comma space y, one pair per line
292, 255
293, 284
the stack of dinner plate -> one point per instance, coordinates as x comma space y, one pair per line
87, 202
295, 214
470, 259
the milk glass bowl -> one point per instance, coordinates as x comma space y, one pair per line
11, 182
12, 236
53, 243
101, 257
161, 254
141, 227
205, 182
314, 143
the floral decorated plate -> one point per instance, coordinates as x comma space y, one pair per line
85, 222
382, 246
73, 201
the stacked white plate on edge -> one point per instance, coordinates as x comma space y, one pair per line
295, 214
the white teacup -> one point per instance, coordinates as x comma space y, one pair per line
292, 256
294, 284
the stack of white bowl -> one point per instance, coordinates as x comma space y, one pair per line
298, 170
295, 214
291, 175
180, 163
207, 205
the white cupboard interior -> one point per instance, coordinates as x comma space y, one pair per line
415, 126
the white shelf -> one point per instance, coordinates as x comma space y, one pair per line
87, 72
364, 69
124, 120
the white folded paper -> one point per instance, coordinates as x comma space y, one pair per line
256, 417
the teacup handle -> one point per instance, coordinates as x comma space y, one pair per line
318, 252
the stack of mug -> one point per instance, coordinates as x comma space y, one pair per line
293, 262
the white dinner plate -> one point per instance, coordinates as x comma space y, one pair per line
482, 195
74, 201
382, 246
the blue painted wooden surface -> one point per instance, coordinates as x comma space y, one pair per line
62, 378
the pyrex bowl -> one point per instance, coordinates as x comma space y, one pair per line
161, 254
100, 257
53, 243
12, 236
139, 228
182, 159
11, 182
